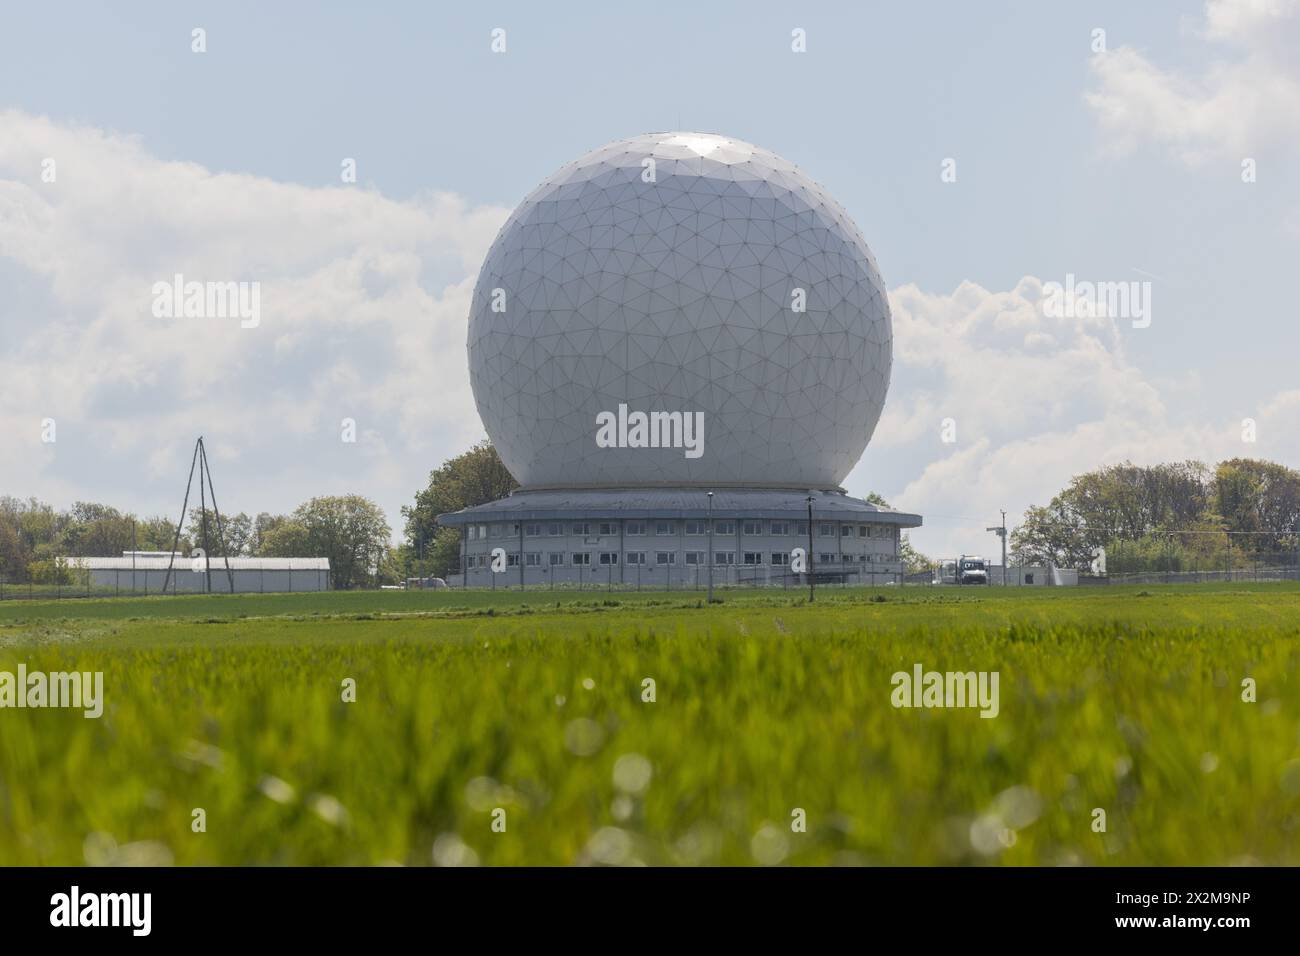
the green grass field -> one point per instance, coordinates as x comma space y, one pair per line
1123, 699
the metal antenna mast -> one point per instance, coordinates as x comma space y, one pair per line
200, 458
221, 535
1001, 532
176, 541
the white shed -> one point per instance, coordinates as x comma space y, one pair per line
146, 575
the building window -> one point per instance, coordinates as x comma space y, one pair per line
582, 528
695, 557
846, 530
607, 528
609, 557
555, 529
826, 558
826, 529
532, 531
665, 557
696, 527
753, 557
801, 528
555, 559
664, 527
497, 530
636, 557
482, 531
780, 527
724, 527
634, 528
862, 531
751, 527
533, 559
581, 559
724, 557
780, 559
512, 560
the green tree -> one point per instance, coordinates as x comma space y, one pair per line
1261, 501
914, 562
472, 478
263, 525
236, 532
348, 529
159, 534
1054, 535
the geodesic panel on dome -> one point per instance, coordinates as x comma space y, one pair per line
662, 274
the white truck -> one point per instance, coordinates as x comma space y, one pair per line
972, 569
968, 569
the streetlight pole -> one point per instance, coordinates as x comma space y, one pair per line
1001, 532
811, 596
710, 494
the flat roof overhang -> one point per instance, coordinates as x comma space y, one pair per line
614, 503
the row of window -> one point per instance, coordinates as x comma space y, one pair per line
693, 527
533, 559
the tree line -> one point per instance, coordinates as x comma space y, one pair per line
37, 542
1175, 516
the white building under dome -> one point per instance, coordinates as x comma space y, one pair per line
672, 315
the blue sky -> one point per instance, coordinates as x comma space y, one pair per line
1120, 166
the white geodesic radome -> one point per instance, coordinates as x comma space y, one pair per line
660, 273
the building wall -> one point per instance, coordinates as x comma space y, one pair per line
1032, 576
186, 581
867, 553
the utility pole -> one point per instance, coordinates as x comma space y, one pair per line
203, 524
710, 549
811, 595
1001, 532
199, 460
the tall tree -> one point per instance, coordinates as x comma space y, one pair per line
236, 532
1260, 499
1054, 535
473, 478
348, 529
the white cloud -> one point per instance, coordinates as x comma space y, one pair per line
1036, 400
363, 309
1246, 100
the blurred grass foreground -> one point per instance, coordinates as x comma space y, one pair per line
1135, 727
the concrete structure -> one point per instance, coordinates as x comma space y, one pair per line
1035, 576
678, 334
1016, 575
661, 538
146, 575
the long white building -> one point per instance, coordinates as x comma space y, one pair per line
147, 574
